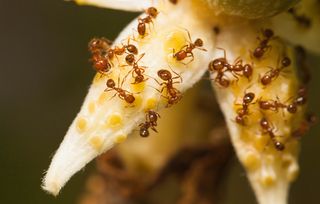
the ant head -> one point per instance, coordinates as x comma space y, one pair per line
129, 98
130, 59
164, 74
248, 97
152, 11
198, 42
111, 83
285, 62
268, 33
264, 123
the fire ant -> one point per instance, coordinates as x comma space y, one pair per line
300, 100
302, 64
274, 73
151, 122
122, 94
301, 19
173, 94
186, 50
263, 44
152, 13
98, 48
137, 71
267, 128
305, 126
273, 105
242, 112
221, 65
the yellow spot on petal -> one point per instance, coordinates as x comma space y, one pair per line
267, 180
96, 142
138, 87
120, 138
114, 120
82, 124
92, 107
251, 161
102, 98
151, 104
261, 142
174, 40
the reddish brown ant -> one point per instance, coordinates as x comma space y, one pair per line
98, 48
137, 71
301, 19
300, 100
152, 13
242, 112
263, 44
273, 105
151, 122
122, 94
272, 74
186, 50
173, 94
221, 65
302, 64
305, 126
267, 128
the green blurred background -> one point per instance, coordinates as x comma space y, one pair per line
44, 77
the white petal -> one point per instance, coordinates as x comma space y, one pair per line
127, 5
102, 121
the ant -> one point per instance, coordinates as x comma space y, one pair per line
301, 19
137, 71
221, 65
98, 48
263, 44
305, 126
267, 128
274, 73
152, 13
122, 94
300, 100
273, 105
186, 50
174, 1
173, 94
302, 64
242, 112
151, 122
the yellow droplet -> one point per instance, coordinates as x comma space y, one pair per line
92, 107
120, 138
267, 180
138, 87
81, 124
175, 40
261, 142
103, 98
96, 142
151, 104
114, 120
251, 161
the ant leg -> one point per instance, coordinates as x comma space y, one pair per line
224, 52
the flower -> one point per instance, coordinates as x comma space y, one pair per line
176, 42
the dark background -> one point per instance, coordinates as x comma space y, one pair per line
44, 77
